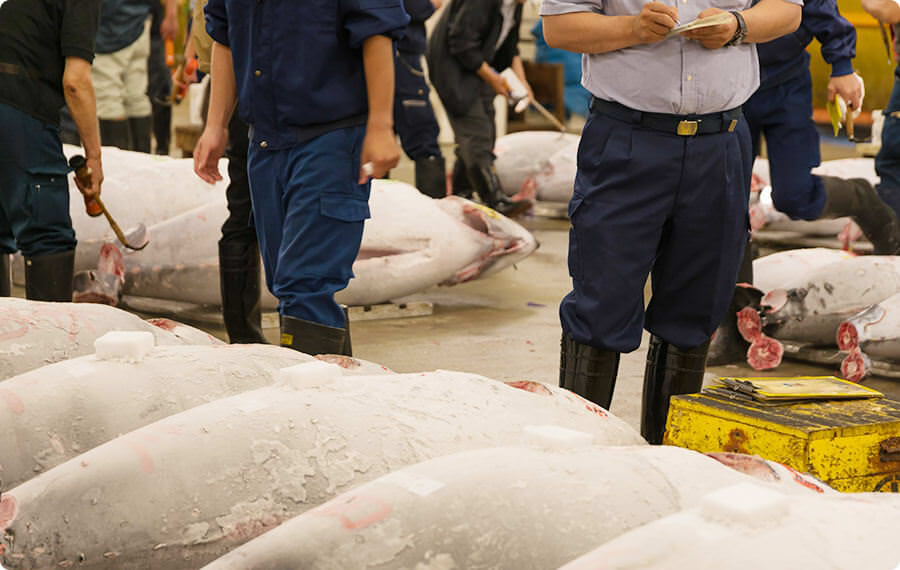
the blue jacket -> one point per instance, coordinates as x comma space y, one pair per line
419, 11
121, 24
298, 65
784, 58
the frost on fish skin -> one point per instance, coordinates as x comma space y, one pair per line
287, 468
383, 544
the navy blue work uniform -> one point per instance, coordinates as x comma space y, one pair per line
781, 110
302, 89
414, 118
662, 186
35, 39
887, 162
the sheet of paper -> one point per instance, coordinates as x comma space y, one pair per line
714, 20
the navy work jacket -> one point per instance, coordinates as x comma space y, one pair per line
786, 57
298, 65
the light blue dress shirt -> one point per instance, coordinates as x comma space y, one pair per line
677, 75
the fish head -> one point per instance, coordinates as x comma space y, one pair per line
780, 307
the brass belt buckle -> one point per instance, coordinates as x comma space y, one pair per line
688, 128
732, 125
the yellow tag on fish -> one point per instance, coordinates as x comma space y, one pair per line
834, 113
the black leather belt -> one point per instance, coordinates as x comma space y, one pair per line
683, 125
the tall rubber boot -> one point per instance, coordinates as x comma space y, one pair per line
141, 133
459, 181
49, 277
162, 128
727, 345
312, 338
855, 197
588, 371
431, 176
239, 283
5, 275
115, 133
484, 180
670, 371
348, 346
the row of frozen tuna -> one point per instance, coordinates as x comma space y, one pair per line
148, 455
824, 297
411, 242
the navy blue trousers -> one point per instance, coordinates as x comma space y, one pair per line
648, 202
783, 114
309, 213
414, 118
34, 192
887, 163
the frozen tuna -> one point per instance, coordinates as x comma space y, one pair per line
873, 333
785, 269
537, 164
54, 413
812, 310
187, 489
472, 510
746, 527
412, 242
33, 334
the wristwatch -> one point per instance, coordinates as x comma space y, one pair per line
740, 33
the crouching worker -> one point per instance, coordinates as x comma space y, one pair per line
319, 102
46, 50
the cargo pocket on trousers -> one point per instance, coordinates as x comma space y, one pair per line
574, 258
48, 196
343, 207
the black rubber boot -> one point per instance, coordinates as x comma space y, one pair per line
115, 133
459, 180
49, 277
239, 283
484, 180
855, 197
5, 275
431, 177
670, 371
348, 346
727, 345
312, 338
162, 128
141, 133
588, 371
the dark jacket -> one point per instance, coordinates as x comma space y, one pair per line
36, 37
463, 39
786, 57
299, 65
414, 40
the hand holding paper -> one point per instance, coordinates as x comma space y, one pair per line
654, 22
713, 28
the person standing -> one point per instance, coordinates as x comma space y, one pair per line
120, 71
46, 49
319, 102
472, 40
661, 188
781, 111
414, 118
887, 162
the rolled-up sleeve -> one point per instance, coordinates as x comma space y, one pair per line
366, 18
217, 21
555, 7
419, 10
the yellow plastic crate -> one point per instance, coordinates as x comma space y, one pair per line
853, 446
